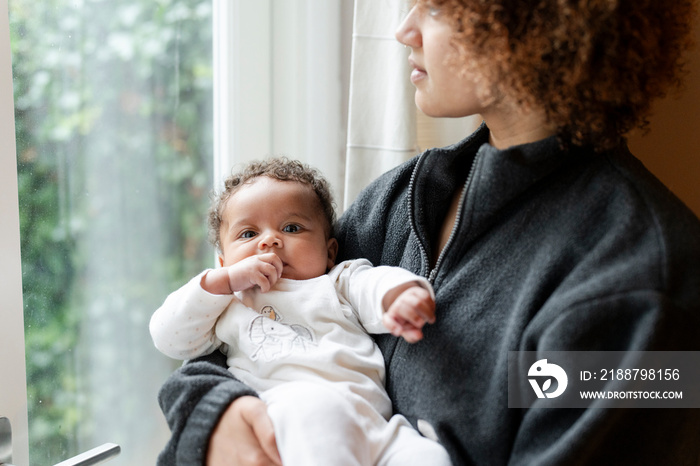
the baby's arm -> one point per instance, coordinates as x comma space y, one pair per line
183, 327
386, 299
408, 308
261, 270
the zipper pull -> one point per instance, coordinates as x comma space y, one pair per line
433, 274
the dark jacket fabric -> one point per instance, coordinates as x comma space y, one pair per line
553, 250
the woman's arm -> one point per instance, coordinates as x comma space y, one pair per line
635, 321
198, 401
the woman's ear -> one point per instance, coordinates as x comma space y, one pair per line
332, 252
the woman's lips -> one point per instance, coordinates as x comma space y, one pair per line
418, 73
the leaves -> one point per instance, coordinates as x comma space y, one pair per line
113, 122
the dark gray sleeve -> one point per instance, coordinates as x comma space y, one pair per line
193, 400
634, 321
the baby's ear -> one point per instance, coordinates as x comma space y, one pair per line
332, 252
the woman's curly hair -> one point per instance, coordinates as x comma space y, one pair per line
280, 168
593, 66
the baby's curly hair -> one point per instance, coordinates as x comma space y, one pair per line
280, 168
593, 66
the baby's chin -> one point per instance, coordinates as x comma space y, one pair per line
295, 276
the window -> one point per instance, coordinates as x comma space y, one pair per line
113, 116
116, 105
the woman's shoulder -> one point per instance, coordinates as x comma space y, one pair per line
645, 192
638, 218
396, 178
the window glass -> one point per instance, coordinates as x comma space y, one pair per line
114, 144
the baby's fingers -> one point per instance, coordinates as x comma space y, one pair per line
416, 306
398, 326
273, 259
265, 277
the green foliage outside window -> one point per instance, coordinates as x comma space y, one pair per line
113, 123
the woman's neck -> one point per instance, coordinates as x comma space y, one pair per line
515, 125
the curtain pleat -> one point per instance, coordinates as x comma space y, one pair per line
382, 116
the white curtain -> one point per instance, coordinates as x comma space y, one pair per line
381, 120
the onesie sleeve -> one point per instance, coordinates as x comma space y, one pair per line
364, 287
183, 327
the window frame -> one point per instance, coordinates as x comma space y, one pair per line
13, 402
289, 94
256, 114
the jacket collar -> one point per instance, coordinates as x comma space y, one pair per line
490, 178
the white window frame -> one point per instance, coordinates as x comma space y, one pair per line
284, 92
289, 100
13, 388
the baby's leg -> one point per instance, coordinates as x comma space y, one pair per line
316, 425
408, 447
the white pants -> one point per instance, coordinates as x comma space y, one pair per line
318, 425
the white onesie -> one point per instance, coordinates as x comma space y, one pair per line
304, 347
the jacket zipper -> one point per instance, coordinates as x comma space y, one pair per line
411, 209
458, 218
453, 233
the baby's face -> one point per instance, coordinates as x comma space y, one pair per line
283, 217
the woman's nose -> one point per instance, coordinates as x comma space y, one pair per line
269, 240
407, 32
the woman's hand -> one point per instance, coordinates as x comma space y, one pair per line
244, 436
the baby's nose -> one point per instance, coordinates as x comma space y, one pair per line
269, 240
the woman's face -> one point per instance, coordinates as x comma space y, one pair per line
441, 90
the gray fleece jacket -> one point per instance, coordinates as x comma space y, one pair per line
553, 250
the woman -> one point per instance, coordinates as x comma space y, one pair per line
539, 232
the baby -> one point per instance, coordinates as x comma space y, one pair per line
294, 325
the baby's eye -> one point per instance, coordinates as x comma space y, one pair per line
291, 228
248, 234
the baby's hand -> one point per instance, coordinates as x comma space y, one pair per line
407, 313
262, 270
